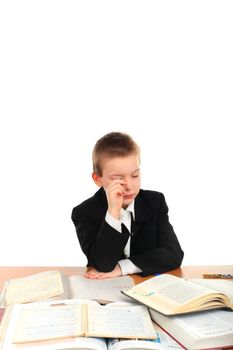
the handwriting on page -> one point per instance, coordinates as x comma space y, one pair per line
106, 290
42, 323
32, 289
129, 321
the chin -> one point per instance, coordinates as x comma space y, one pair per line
127, 202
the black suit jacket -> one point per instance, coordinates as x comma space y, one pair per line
154, 245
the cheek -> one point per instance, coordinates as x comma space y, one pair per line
137, 184
105, 182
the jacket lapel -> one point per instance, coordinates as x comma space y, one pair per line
142, 209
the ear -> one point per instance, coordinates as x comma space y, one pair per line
97, 179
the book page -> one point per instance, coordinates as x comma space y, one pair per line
43, 285
165, 341
167, 293
4, 318
76, 343
201, 330
105, 290
2, 312
122, 344
223, 286
80, 343
162, 342
43, 321
120, 322
208, 323
52, 344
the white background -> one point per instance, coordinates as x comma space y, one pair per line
70, 71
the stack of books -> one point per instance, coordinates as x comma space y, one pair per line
198, 313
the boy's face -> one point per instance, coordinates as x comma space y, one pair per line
127, 170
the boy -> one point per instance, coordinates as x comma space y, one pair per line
123, 229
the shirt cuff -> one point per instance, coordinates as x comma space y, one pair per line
128, 267
115, 223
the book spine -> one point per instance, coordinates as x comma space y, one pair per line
173, 337
84, 319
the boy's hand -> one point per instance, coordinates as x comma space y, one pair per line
101, 275
115, 192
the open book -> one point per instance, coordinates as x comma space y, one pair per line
171, 295
67, 323
162, 341
73, 318
4, 317
203, 330
50, 285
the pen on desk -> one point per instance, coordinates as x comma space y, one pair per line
218, 275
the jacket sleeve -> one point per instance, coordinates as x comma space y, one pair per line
101, 243
156, 249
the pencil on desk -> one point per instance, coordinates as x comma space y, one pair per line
218, 275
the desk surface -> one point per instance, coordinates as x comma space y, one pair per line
9, 272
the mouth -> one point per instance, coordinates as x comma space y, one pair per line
128, 196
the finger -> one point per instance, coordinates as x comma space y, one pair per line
116, 188
103, 276
91, 273
116, 184
118, 181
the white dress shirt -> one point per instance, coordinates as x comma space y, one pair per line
126, 265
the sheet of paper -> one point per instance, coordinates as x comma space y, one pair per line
101, 290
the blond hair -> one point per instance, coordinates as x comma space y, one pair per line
113, 144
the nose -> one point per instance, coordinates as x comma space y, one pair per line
127, 185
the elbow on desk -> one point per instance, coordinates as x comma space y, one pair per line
102, 265
173, 262
180, 258
176, 261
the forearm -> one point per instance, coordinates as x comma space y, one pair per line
104, 247
158, 260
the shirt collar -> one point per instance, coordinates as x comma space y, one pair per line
130, 208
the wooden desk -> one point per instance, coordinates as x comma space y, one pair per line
9, 272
